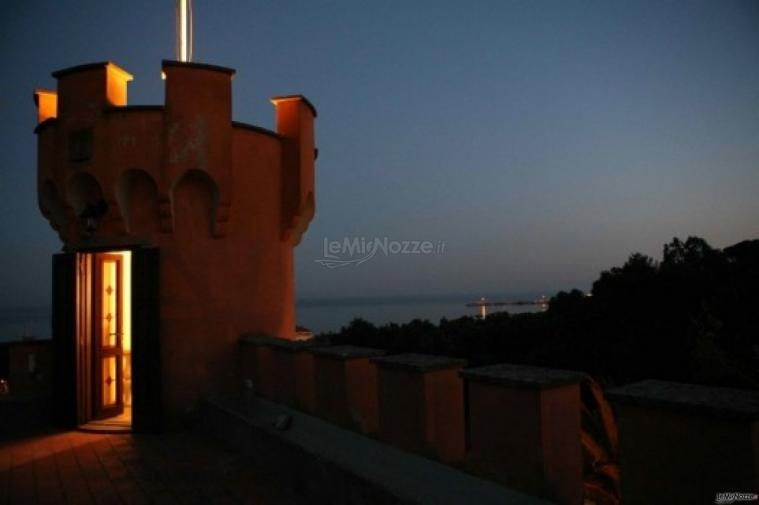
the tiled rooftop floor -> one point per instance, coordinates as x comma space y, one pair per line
82, 468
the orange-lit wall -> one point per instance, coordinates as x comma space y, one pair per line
226, 204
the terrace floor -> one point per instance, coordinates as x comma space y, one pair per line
80, 468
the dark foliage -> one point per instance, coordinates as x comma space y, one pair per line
693, 317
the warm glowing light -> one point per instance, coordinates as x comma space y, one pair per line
116, 85
47, 104
109, 381
110, 316
126, 326
116, 331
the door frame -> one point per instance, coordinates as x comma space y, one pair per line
100, 351
73, 402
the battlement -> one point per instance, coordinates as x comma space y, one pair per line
47, 104
85, 89
87, 130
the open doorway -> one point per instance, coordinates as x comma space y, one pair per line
104, 340
107, 371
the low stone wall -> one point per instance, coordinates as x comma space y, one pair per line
29, 367
421, 405
681, 443
346, 386
519, 425
329, 465
24, 413
524, 429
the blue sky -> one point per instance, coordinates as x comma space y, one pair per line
541, 141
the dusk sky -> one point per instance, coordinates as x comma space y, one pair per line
542, 142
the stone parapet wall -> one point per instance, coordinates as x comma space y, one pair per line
521, 426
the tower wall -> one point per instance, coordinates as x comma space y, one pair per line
225, 202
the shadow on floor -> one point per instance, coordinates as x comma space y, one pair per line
49, 466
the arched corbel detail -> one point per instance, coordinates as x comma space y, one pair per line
138, 220
206, 180
220, 225
300, 221
221, 219
58, 213
165, 213
114, 221
85, 197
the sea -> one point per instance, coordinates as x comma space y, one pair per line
317, 315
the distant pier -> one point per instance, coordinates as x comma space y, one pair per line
483, 304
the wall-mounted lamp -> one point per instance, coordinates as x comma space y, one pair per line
92, 214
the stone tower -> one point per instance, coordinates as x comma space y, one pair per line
222, 204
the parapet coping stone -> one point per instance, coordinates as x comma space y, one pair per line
255, 128
198, 66
281, 343
419, 362
523, 376
89, 66
347, 351
134, 108
329, 455
693, 398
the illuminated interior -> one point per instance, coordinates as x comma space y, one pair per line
126, 328
116, 315
107, 311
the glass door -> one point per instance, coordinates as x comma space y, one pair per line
108, 335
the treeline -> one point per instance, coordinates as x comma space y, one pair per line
692, 317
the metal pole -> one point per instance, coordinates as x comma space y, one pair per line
184, 30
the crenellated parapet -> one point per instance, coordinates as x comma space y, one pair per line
108, 169
547, 433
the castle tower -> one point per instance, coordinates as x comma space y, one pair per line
178, 228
